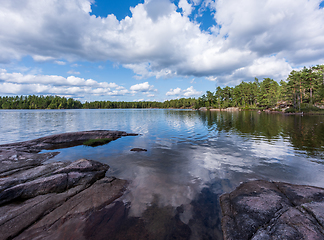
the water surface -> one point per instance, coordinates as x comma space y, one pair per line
193, 157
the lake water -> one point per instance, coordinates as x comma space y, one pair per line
193, 157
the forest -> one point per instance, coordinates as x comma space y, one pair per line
303, 90
57, 102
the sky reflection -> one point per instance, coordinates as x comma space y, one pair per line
188, 151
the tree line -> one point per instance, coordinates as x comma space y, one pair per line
302, 89
39, 102
57, 102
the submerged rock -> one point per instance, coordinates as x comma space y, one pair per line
138, 150
270, 210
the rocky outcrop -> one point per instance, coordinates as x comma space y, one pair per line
273, 210
53, 200
54, 193
63, 140
69, 220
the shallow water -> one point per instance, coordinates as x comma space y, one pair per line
193, 157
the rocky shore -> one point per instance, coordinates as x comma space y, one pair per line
54, 200
273, 210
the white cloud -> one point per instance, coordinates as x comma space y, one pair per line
142, 87
174, 92
60, 62
17, 83
159, 41
211, 78
186, 7
39, 58
189, 92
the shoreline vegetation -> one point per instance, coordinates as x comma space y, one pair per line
302, 92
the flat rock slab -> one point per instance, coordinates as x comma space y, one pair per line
29, 195
53, 200
63, 140
273, 210
70, 220
16, 157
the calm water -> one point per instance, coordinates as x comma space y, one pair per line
193, 157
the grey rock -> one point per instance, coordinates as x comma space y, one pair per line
316, 209
62, 179
63, 140
14, 218
267, 210
68, 221
292, 224
299, 194
59, 197
25, 160
83, 165
55, 183
29, 174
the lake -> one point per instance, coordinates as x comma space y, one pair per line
193, 157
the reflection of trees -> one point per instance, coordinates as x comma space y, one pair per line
304, 132
307, 133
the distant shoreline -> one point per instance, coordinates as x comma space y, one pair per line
236, 109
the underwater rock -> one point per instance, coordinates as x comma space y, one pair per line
138, 150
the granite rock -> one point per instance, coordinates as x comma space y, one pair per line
273, 210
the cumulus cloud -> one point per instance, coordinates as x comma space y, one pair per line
17, 83
186, 7
174, 92
158, 8
60, 62
143, 87
189, 92
211, 78
160, 40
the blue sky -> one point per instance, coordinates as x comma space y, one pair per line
153, 49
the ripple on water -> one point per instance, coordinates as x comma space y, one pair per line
192, 156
